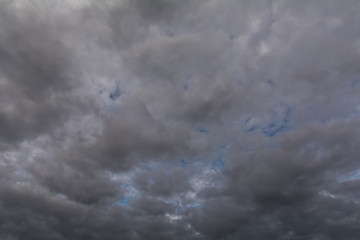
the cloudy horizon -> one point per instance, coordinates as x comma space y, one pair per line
179, 119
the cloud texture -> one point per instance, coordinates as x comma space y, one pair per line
164, 119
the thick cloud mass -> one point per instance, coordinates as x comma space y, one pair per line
184, 120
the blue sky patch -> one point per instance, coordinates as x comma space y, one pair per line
272, 123
116, 94
277, 126
203, 130
354, 175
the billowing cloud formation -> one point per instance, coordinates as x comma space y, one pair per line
164, 119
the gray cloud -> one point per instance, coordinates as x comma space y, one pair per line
179, 120
37, 76
162, 184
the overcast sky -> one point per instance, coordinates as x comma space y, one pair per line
179, 119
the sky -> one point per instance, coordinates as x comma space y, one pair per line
179, 119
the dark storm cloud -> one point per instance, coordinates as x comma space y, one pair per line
37, 76
291, 190
87, 187
162, 184
133, 134
179, 120
152, 206
27, 212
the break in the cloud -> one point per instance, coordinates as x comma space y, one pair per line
164, 119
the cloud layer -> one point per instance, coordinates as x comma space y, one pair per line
164, 119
